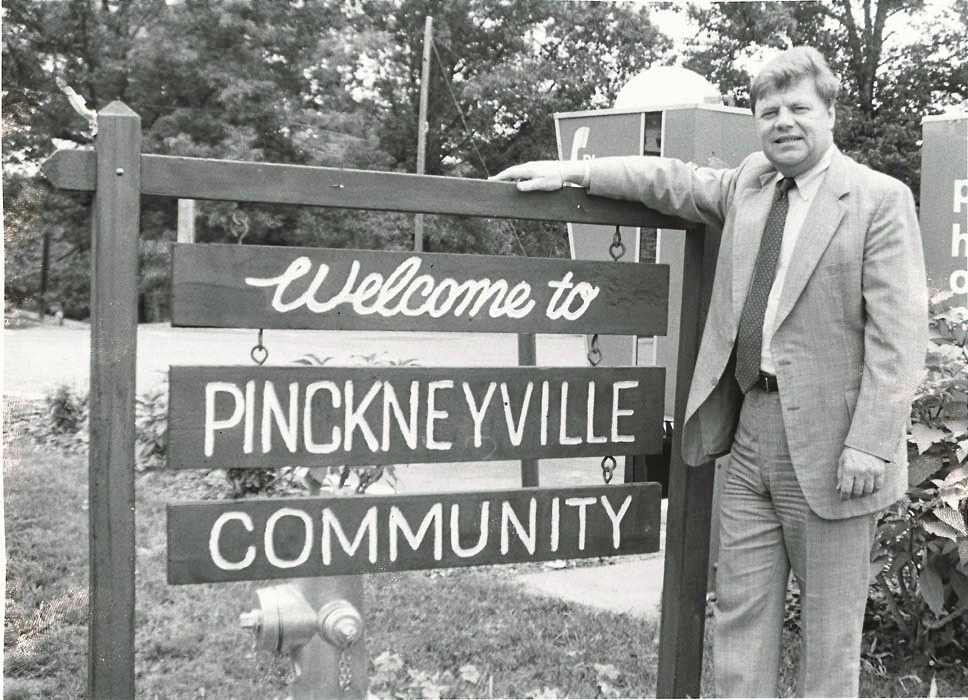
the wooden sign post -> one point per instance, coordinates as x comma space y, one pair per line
257, 417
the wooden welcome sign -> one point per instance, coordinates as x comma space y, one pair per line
254, 417
231, 416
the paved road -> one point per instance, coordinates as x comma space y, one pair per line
36, 359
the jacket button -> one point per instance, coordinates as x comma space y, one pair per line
713, 382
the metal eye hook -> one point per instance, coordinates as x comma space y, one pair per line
259, 352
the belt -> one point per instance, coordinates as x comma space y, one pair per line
767, 382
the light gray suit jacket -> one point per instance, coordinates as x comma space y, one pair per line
851, 327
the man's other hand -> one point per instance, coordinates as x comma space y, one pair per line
859, 473
542, 175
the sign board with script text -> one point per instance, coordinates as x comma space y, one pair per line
231, 286
283, 538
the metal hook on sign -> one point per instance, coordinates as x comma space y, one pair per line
239, 225
617, 247
594, 352
608, 468
259, 352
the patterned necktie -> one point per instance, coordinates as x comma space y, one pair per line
749, 342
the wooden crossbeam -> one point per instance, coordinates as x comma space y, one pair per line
246, 181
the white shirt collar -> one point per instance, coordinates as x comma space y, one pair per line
809, 182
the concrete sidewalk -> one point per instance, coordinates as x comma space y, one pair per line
630, 585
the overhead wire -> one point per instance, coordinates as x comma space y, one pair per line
470, 136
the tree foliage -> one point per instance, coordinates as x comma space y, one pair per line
319, 82
336, 83
898, 60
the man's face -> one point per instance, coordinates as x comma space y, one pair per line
795, 127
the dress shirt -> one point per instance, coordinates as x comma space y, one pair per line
799, 198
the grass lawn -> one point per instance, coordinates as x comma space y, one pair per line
462, 632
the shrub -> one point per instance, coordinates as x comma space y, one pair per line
920, 557
59, 421
151, 428
343, 478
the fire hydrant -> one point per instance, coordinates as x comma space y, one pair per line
318, 622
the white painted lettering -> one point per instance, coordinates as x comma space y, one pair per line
553, 311
370, 287
590, 418
477, 413
213, 542
354, 417
312, 446
423, 281
407, 429
270, 544
580, 503
544, 413
367, 528
617, 388
455, 544
616, 518
519, 302
562, 309
248, 441
564, 439
398, 280
212, 389
516, 431
433, 415
271, 407
508, 516
555, 523
398, 523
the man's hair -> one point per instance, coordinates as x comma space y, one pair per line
789, 68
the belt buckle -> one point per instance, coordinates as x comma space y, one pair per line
767, 383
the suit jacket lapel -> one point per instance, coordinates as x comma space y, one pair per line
822, 220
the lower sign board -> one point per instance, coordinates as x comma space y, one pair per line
250, 540
226, 417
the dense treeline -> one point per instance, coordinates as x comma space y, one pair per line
336, 83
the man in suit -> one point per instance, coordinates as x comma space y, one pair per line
812, 349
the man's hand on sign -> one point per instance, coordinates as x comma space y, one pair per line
544, 175
859, 473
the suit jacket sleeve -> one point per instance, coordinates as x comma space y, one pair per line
667, 185
895, 325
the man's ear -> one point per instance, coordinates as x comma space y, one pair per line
832, 115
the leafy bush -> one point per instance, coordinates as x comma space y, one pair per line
151, 428
920, 557
60, 420
940, 409
343, 478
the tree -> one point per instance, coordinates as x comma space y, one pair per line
319, 82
